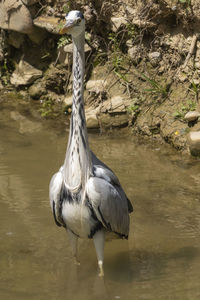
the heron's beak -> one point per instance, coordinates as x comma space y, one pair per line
66, 28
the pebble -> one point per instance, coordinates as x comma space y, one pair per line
191, 116
194, 142
154, 55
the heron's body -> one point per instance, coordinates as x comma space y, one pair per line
85, 195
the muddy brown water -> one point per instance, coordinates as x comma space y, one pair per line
161, 260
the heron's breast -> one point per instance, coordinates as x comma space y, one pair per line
78, 218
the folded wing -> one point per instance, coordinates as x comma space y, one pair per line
108, 199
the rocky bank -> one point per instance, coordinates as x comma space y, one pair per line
142, 64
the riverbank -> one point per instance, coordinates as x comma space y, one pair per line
142, 66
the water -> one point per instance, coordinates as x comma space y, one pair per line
162, 257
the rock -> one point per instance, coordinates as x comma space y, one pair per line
50, 11
113, 113
194, 142
96, 85
51, 24
69, 48
114, 105
65, 53
154, 58
134, 53
109, 121
197, 65
117, 105
25, 74
196, 81
55, 79
30, 2
129, 43
117, 22
191, 116
68, 101
15, 39
154, 55
91, 117
37, 35
63, 57
14, 15
182, 77
36, 90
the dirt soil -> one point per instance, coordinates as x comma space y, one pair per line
147, 52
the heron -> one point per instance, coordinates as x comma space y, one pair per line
86, 197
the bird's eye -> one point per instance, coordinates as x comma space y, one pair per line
78, 21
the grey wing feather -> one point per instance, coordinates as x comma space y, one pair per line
108, 206
55, 188
103, 171
108, 199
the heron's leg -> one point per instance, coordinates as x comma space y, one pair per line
74, 245
99, 246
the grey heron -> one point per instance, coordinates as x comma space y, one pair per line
85, 195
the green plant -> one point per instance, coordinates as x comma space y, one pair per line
156, 88
133, 108
185, 1
131, 30
64, 40
117, 59
195, 89
47, 108
188, 106
66, 8
6, 69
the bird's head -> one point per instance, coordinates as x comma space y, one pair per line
75, 23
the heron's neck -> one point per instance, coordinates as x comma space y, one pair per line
78, 128
78, 161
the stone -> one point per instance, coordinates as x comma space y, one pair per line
114, 105
25, 74
134, 53
63, 57
113, 113
14, 15
91, 118
68, 101
69, 48
30, 2
15, 39
95, 85
117, 22
111, 120
196, 81
36, 90
182, 77
191, 116
154, 55
65, 53
197, 65
37, 35
154, 58
51, 24
194, 142
117, 105
129, 43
